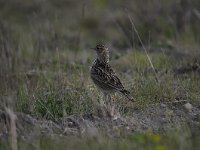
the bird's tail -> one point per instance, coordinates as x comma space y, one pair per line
128, 95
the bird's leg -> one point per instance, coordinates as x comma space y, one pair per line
102, 110
114, 113
102, 102
110, 100
108, 104
105, 104
105, 100
111, 106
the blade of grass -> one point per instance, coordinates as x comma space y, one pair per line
145, 50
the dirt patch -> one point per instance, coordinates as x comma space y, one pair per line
157, 119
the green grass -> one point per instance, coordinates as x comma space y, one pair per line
59, 88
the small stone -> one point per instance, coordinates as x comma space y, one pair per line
163, 105
188, 107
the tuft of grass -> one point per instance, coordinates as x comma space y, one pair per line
138, 60
23, 102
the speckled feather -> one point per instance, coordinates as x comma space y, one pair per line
103, 75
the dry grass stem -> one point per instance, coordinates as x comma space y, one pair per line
149, 59
13, 131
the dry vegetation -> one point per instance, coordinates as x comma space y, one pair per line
47, 100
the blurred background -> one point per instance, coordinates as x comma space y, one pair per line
36, 26
44, 25
33, 28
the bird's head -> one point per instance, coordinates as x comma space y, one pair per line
102, 52
100, 48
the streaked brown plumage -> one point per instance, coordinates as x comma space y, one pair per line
103, 75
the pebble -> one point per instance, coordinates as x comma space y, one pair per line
188, 107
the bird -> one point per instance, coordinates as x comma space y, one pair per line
104, 77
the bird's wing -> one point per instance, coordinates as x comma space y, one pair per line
104, 74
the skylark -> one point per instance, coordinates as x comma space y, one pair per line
103, 75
